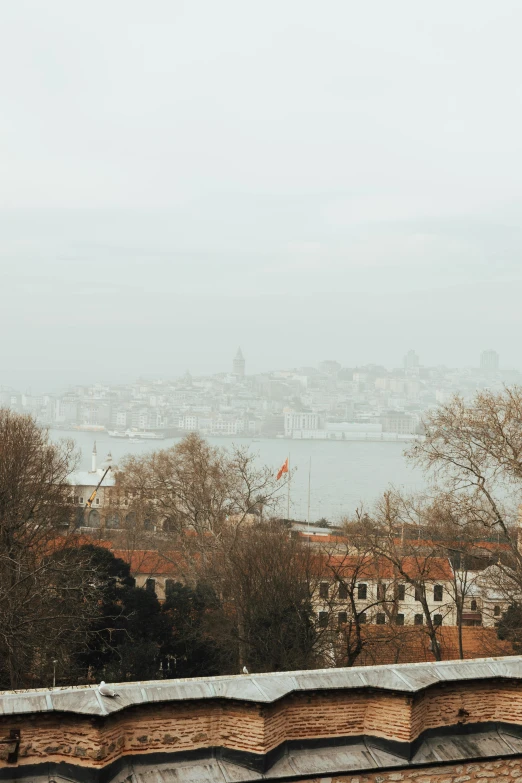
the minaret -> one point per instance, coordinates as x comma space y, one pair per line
238, 366
93, 459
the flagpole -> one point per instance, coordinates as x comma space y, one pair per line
288, 487
309, 483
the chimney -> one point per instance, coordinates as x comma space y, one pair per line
93, 464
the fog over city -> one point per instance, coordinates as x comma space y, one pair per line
308, 180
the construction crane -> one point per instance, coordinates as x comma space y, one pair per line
89, 502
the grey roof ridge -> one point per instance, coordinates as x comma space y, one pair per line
283, 683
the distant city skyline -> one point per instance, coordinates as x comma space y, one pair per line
488, 359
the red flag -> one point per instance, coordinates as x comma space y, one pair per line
283, 469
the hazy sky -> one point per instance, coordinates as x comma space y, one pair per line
308, 179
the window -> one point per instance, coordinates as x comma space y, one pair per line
169, 587
437, 619
418, 619
399, 619
401, 592
381, 592
97, 501
323, 619
437, 593
342, 618
362, 591
112, 521
76, 500
81, 501
94, 518
343, 591
323, 590
473, 606
418, 594
381, 618
496, 611
150, 585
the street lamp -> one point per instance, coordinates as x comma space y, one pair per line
54, 672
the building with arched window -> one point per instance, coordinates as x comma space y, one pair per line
83, 483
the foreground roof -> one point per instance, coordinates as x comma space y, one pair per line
325, 725
264, 688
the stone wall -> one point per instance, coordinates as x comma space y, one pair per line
509, 771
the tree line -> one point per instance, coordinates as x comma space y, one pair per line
246, 591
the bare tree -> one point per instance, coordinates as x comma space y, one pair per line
419, 563
47, 594
348, 595
196, 486
266, 581
473, 451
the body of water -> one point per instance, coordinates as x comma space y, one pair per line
344, 474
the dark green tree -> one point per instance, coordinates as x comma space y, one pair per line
128, 637
191, 650
510, 626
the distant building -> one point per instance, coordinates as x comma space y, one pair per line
300, 421
83, 483
411, 360
489, 361
330, 367
238, 365
398, 422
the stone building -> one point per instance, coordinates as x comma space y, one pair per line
382, 595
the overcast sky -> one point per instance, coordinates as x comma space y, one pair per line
308, 179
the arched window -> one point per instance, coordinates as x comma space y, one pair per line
112, 521
169, 587
147, 524
80, 522
94, 518
130, 520
473, 606
496, 611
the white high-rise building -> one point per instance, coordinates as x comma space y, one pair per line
411, 360
489, 361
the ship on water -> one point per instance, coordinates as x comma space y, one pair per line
136, 435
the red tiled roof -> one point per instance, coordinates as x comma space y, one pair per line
410, 644
369, 567
149, 562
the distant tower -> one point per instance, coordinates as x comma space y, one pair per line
238, 366
411, 360
93, 459
489, 361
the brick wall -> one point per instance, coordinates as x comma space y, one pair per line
257, 727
